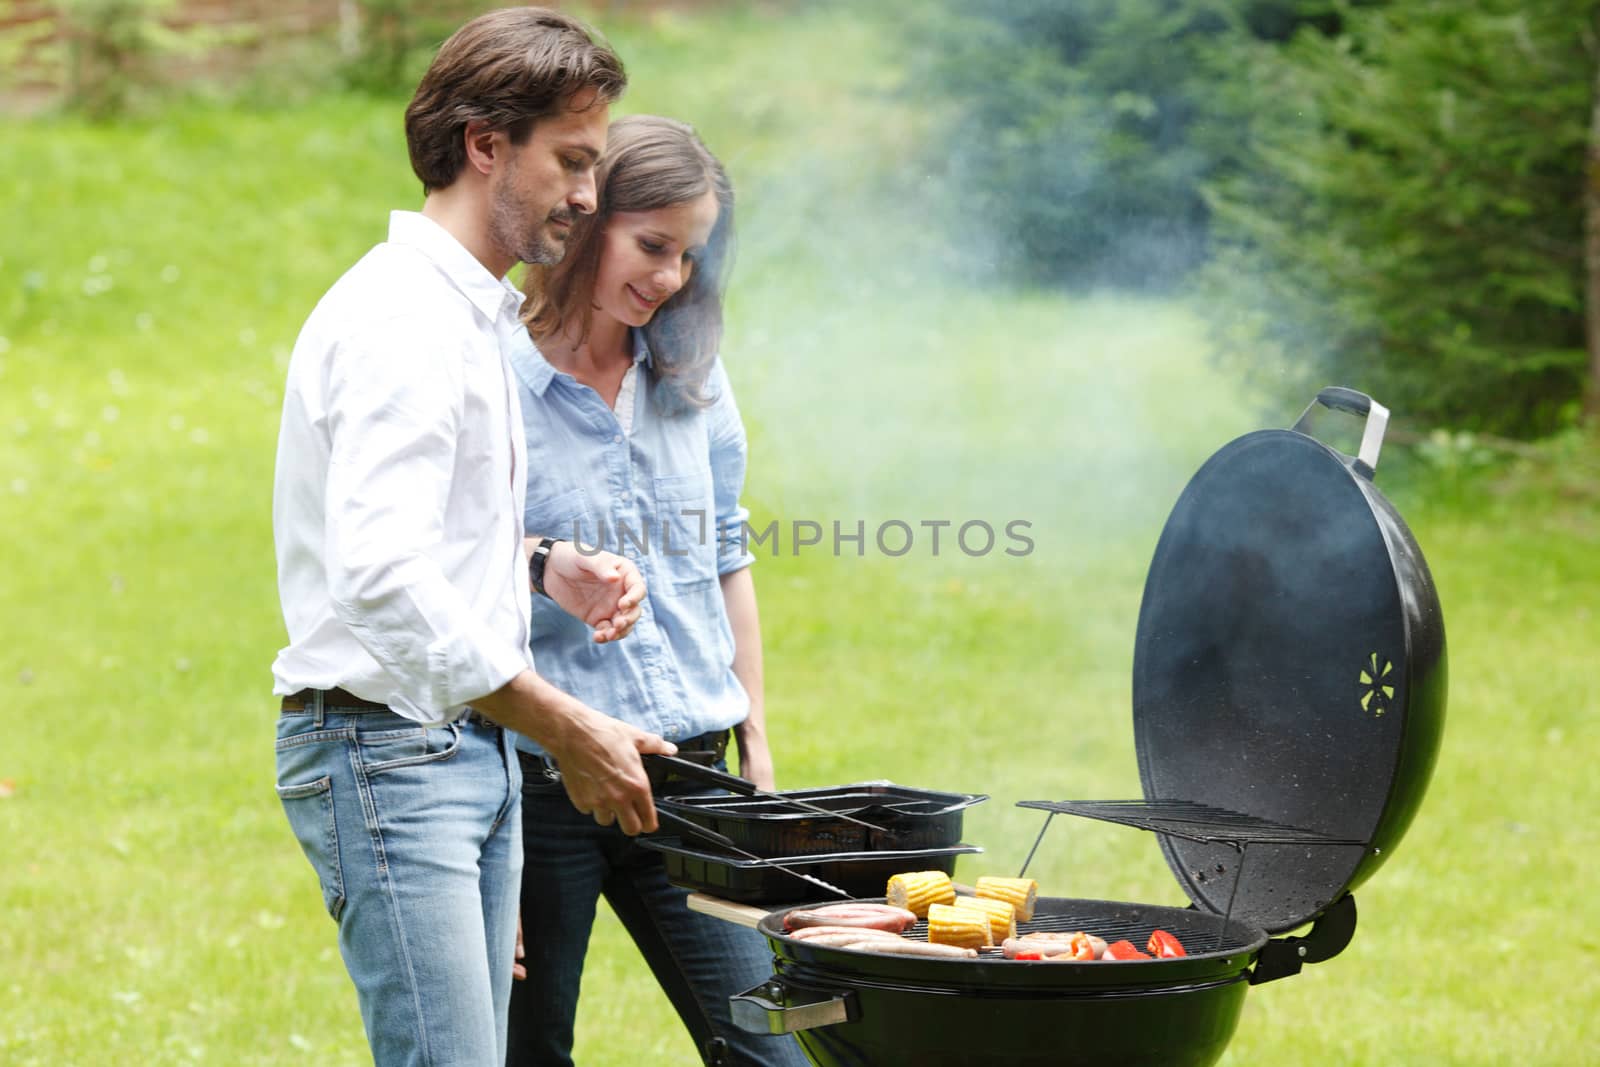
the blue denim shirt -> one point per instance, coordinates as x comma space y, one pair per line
667, 497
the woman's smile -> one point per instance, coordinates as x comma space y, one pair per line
645, 302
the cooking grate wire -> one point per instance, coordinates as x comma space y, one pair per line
1188, 819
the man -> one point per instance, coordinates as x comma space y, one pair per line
402, 566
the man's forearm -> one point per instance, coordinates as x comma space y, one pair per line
534, 708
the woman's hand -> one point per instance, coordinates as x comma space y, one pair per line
604, 589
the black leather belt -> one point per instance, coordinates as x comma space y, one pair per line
345, 702
333, 699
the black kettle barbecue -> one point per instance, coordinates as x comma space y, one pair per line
1288, 704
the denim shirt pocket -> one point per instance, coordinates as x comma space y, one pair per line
564, 516
686, 522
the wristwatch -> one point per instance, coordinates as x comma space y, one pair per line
536, 561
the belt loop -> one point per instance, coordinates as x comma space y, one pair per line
316, 700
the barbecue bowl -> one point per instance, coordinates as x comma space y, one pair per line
855, 1009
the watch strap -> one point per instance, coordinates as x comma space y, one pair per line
536, 563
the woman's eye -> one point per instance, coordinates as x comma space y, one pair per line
651, 247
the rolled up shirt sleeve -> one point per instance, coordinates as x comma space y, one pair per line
395, 404
729, 456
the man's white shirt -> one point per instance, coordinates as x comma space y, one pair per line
398, 499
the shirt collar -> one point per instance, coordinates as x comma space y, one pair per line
490, 295
530, 364
536, 371
641, 350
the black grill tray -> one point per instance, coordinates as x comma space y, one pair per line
909, 819
861, 874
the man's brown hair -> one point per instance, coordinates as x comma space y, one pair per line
505, 70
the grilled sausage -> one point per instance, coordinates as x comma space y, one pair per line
901, 947
869, 916
842, 936
1075, 946
855, 933
1047, 947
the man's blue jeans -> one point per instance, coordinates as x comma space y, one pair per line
416, 839
699, 961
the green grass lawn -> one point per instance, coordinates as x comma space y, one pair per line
154, 908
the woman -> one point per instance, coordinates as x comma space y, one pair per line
634, 443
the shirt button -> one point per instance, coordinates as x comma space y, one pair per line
617, 440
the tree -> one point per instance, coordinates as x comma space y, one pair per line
1591, 243
1409, 217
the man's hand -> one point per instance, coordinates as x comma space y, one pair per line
519, 970
603, 775
605, 590
598, 755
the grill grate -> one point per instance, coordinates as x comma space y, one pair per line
1188, 819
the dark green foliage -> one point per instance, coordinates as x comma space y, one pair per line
397, 40
1410, 221
1080, 133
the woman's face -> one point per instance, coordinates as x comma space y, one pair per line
647, 256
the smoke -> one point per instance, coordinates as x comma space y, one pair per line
884, 370
888, 365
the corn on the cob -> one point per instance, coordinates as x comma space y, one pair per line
1023, 893
1002, 915
963, 927
918, 889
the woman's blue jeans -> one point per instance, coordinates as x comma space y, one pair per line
570, 862
415, 837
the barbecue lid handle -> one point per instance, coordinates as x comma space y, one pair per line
1352, 402
774, 1008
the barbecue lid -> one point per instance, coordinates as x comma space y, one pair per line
1289, 674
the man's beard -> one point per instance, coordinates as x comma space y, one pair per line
519, 230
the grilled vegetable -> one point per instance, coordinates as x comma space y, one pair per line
1021, 893
963, 927
917, 890
1001, 914
1087, 946
1124, 950
1164, 946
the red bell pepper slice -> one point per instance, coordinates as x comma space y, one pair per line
1028, 955
1164, 946
1125, 950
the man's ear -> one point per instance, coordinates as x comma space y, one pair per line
484, 146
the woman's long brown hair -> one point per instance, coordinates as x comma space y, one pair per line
650, 162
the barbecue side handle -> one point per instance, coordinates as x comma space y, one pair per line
774, 1008
1281, 957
